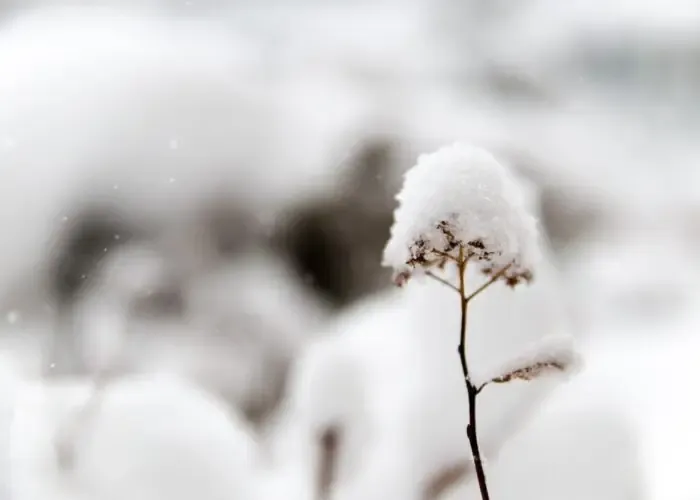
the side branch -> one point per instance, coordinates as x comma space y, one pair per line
461, 291
437, 278
490, 282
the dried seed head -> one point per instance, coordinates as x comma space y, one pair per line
461, 201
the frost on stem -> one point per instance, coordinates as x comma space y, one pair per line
460, 197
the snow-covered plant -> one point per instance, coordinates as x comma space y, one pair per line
460, 208
151, 437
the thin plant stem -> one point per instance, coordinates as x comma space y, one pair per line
472, 391
437, 278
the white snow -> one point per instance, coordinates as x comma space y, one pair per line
475, 199
148, 438
93, 96
151, 114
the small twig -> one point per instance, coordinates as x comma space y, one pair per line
490, 282
434, 276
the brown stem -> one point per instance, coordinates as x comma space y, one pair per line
437, 278
472, 391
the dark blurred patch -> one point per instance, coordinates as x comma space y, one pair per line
317, 250
230, 228
329, 449
93, 235
167, 301
258, 409
336, 246
82, 246
444, 480
565, 219
516, 85
567, 213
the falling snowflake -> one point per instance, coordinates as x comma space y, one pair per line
13, 317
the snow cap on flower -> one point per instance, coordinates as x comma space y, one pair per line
460, 197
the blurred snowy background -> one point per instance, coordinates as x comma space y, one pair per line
194, 196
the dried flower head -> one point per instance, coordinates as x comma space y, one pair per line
531, 372
461, 201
